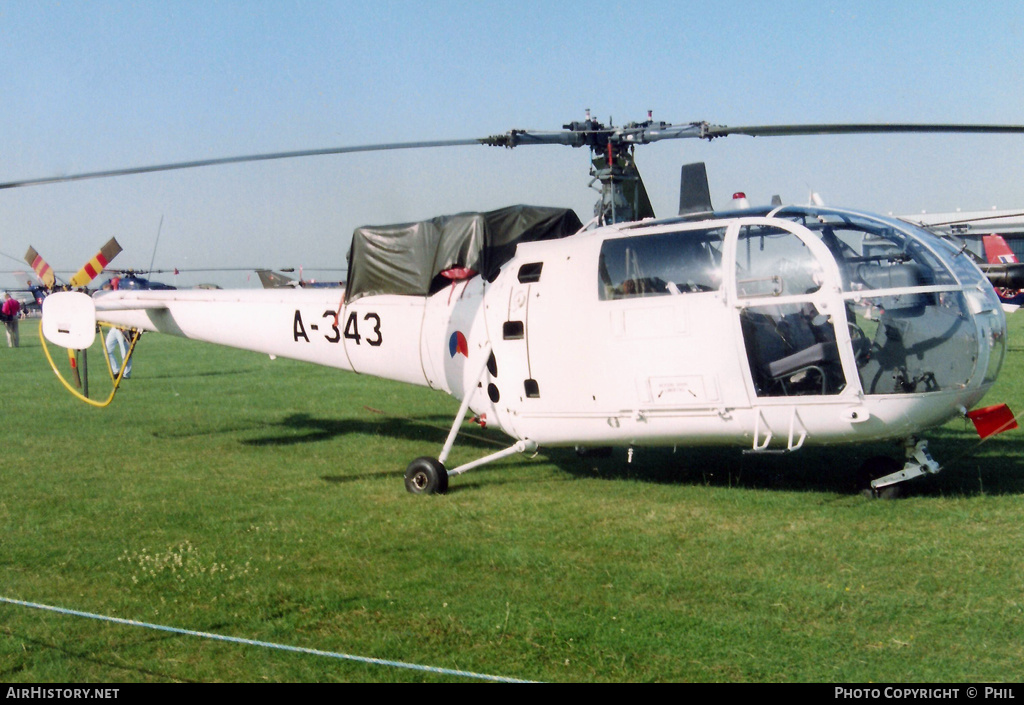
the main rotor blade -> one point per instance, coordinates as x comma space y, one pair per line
630, 134
655, 132
960, 221
237, 160
712, 131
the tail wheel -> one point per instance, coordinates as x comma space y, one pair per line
426, 476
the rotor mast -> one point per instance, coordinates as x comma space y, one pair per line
623, 196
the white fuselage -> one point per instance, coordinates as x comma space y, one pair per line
602, 338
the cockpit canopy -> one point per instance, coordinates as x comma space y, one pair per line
916, 311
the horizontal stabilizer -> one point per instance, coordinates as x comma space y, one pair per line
108, 303
69, 320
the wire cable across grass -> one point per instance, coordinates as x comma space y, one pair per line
266, 644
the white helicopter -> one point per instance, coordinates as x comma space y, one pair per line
771, 328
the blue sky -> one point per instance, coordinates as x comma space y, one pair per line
94, 85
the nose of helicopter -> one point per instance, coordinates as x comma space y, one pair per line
923, 319
991, 323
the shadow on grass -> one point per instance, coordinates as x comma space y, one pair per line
196, 431
993, 468
297, 429
304, 428
116, 666
197, 375
969, 467
812, 469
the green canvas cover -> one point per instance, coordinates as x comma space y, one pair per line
408, 259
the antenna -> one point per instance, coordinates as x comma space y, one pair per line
158, 229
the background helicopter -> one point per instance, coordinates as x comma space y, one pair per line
413, 291
275, 280
131, 279
984, 234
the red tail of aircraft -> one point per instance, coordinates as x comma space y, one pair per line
998, 252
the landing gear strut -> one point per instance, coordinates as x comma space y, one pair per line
876, 468
429, 476
883, 473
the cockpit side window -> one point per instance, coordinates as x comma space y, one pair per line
771, 261
663, 264
792, 347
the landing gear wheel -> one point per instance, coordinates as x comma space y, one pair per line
426, 476
874, 468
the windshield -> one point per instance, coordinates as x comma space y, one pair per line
912, 324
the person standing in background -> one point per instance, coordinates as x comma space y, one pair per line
11, 311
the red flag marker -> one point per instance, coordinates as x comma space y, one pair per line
991, 420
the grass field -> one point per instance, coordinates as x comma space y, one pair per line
224, 492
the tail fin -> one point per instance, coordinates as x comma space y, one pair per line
694, 194
273, 280
94, 266
997, 251
42, 269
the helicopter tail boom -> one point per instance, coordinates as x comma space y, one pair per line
379, 335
